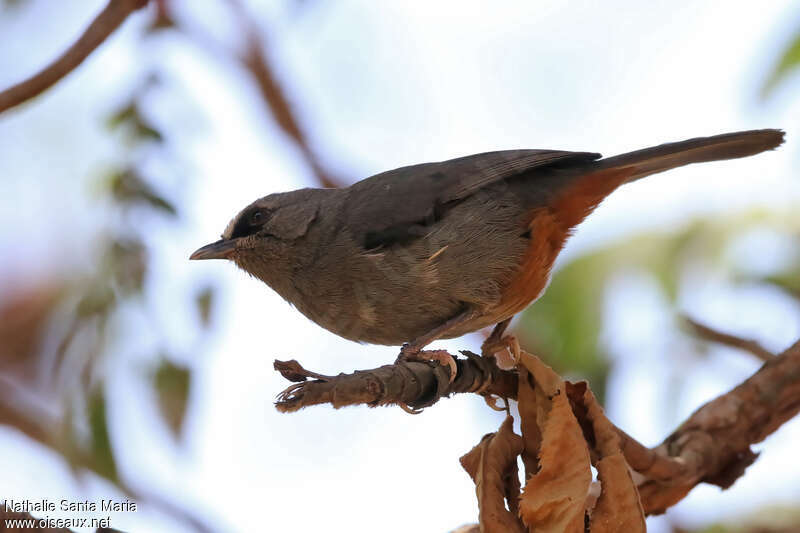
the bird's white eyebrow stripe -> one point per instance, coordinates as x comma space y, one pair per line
229, 228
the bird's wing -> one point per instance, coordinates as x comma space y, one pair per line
397, 205
465, 175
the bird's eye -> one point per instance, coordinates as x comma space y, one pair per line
256, 218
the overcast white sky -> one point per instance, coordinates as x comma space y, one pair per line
386, 85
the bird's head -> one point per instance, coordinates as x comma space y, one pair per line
264, 238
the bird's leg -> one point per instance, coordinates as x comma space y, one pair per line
415, 346
413, 350
494, 346
497, 342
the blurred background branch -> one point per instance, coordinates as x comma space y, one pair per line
748, 345
108, 20
255, 59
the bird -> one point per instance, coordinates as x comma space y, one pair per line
438, 250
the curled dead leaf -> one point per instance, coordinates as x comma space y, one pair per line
618, 508
531, 435
554, 497
492, 465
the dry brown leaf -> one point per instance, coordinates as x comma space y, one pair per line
546, 379
492, 465
554, 498
528, 406
606, 438
618, 508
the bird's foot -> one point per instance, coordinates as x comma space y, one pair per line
409, 353
506, 353
505, 350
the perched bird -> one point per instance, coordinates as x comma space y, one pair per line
438, 250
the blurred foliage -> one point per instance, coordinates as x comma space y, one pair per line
139, 128
786, 66
787, 280
120, 280
100, 450
564, 325
163, 18
65, 328
172, 383
768, 520
23, 325
204, 300
129, 188
13, 4
56, 338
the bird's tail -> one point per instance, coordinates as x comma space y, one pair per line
581, 196
699, 150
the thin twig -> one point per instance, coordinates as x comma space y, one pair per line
255, 59
104, 24
713, 335
412, 383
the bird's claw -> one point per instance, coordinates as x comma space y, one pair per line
506, 351
408, 353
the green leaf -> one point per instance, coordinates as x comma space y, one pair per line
172, 384
97, 300
788, 282
788, 63
129, 187
127, 259
204, 301
131, 117
145, 131
767, 519
123, 115
101, 453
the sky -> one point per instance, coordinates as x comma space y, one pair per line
385, 85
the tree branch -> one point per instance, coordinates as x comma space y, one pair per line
713, 335
712, 446
411, 383
714, 443
104, 24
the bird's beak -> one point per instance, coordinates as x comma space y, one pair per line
222, 249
